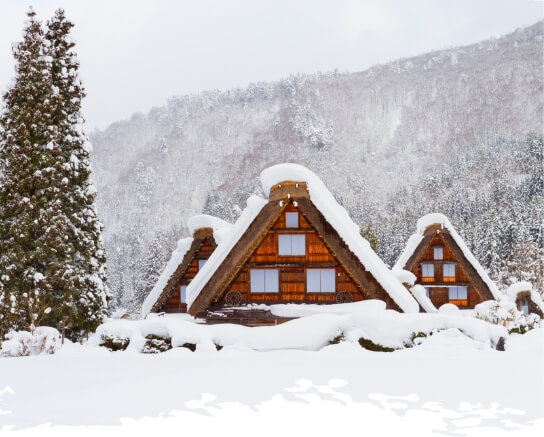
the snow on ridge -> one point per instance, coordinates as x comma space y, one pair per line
340, 220
229, 237
421, 296
206, 221
441, 219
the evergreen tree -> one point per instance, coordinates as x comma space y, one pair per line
31, 227
84, 274
371, 237
52, 262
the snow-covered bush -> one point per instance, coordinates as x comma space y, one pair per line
44, 340
155, 344
113, 342
504, 312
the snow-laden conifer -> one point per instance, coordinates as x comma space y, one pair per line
31, 222
83, 276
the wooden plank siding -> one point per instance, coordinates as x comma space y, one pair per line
292, 269
438, 285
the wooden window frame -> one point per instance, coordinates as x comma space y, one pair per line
291, 238
264, 281
320, 281
441, 255
427, 278
291, 214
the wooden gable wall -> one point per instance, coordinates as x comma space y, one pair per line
438, 287
172, 303
292, 269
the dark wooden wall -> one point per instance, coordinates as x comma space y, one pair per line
292, 269
173, 304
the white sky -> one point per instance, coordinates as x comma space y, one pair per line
135, 54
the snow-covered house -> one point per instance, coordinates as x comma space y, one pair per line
526, 299
169, 293
443, 264
297, 246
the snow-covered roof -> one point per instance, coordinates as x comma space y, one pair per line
440, 219
229, 239
335, 215
514, 289
405, 276
220, 228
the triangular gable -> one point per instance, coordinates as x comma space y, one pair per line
355, 256
205, 229
418, 243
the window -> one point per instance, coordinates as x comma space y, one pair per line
427, 291
427, 272
264, 280
183, 294
449, 272
291, 219
438, 252
524, 309
320, 281
201, 263
458, 295
292, 245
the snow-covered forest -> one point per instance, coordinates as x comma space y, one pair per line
456, 131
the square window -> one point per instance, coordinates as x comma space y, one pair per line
183, 294
264, 280
201, 263
320, 281
524, 309
438, 252
291, 219
457, 293
291, 245
427, 271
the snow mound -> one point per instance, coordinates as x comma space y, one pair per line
405, 276
208, 221
437, 218
44, 340
340, 220
316, 327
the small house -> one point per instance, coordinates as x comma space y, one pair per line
444, 266
169, 294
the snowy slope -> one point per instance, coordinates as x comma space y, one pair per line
371, 136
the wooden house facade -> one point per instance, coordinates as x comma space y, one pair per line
444, 266
290, 253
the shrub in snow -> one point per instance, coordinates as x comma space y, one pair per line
504, 312
371, 346
155, 344
339, 338
44, 340
192, 346
113, 342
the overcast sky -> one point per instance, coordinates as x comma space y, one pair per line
135, 54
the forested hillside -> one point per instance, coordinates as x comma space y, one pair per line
457, 131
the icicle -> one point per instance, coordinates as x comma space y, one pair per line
288, 195
295, 203
281, 202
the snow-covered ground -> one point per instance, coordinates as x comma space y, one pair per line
448, 385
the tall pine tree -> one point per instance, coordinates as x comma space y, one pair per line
29, 228
84, 274
52, 262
